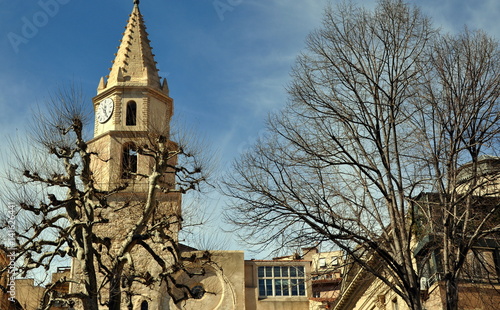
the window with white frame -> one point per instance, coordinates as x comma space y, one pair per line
281, 281
335, 260
322, 262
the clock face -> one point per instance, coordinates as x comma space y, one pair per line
105, 110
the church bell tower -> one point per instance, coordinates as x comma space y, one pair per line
136, 254
133, 110
131, 102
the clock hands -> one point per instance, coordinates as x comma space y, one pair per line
105, 110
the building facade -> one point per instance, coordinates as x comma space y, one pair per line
479, 278
327, 270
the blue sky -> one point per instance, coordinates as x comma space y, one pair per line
227, 61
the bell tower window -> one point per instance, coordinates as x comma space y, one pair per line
129, 160
131, 115
144, 305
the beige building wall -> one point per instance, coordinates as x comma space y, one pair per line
365, 292
28, 295
223, 282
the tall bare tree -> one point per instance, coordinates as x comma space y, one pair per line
63, 212
456, 126
375, 106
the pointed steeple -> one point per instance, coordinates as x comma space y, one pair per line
134, 64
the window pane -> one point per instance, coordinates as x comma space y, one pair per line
286, 291
277, 287
302, 288
269, 287
294, 287
322, 262
335, 260
260, 272
293, 272
300, 271
262, 288
284, 272
269, 272
277, 272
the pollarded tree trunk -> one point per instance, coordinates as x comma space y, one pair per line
115, 291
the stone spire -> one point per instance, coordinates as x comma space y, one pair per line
134, 64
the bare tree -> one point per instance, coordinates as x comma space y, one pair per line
361, 139
456, 127
64, 212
